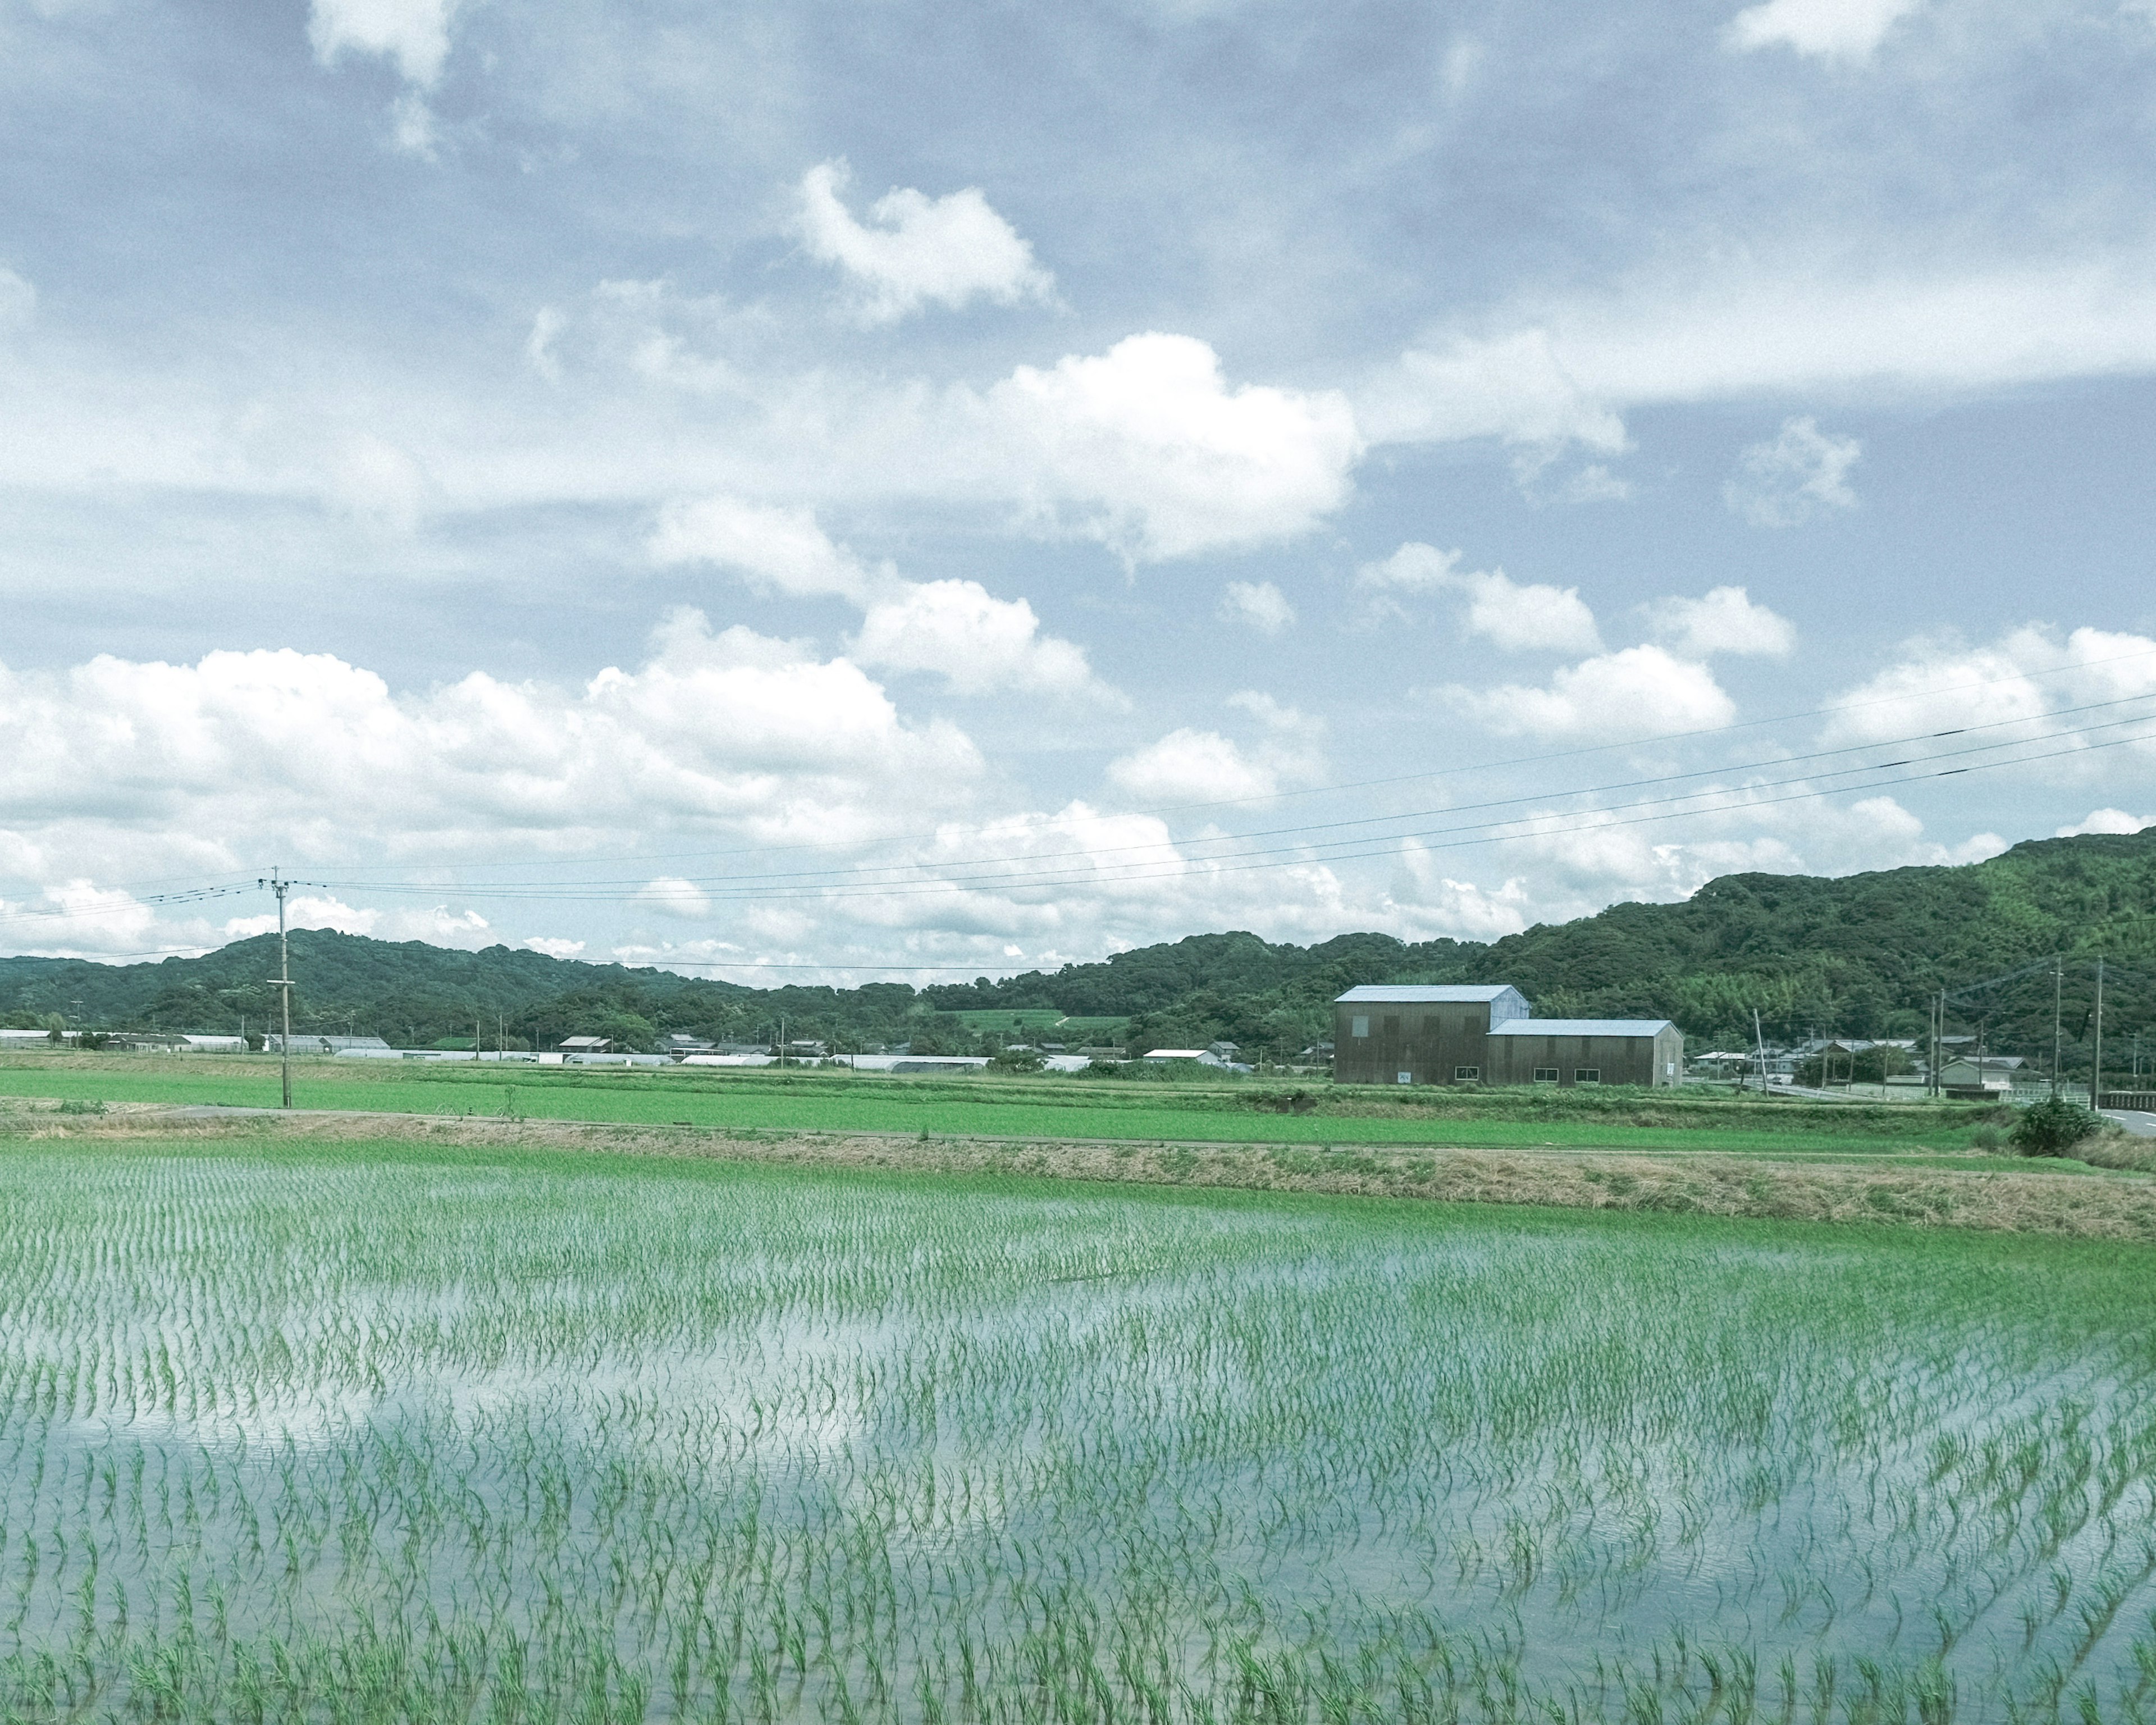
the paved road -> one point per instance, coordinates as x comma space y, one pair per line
2141, 1124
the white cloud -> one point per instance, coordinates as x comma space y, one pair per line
1255, 605
1193, 766
670, 896
306, 910
2106, 820
1793, 476
778, 550
1189, 765
1146, 448
1724, 621
553, 945
129, 767
945, 251
1459, 908
378, 484
980, 644
1640, 691
1531, 617
1941, 684
1534, 616
1414, 568
414, 33
1828, 29
1539, 373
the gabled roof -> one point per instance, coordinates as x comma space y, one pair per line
1417, 993
1579, 1027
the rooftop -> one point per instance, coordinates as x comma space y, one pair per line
1410, 994
1579, 1027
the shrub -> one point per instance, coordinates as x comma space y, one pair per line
2053, 1127
1987, 1136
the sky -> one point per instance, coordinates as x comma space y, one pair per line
797, 492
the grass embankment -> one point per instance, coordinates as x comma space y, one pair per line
824, 1100
1998, 1194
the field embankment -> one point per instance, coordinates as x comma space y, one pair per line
2067, 1198
838, 1102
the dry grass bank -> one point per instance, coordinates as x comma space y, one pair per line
2037, 1199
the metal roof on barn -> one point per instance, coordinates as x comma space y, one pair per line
1417, 993
1580, 1027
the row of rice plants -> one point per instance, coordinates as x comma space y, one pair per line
336, 1434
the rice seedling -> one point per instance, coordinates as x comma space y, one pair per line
323, 1432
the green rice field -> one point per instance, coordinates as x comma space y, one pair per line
836, 1101
380, 1432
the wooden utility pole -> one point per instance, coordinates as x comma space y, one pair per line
283, 980
2058, 998
2096, 1069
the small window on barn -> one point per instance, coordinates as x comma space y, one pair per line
1545, 1074
1464, 1075
1407, 1078
1359, 1027
1587, 1075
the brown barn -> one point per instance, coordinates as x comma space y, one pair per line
1569, 1051
1414, 1034
1411, 1034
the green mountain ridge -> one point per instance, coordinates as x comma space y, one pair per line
1855, 955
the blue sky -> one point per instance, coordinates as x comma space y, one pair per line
914, 486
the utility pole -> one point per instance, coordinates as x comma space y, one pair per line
1759, 1043
283, 981
2096, 1070
2058, 996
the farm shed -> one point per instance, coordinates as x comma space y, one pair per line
1569, 1051
1401, 1034
1410, 1034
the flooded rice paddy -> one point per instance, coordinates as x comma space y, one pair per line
333, 1435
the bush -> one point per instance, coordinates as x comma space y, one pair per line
1987, 1136
1014, 1059
2053, 1127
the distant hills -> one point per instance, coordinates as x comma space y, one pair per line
1856, 955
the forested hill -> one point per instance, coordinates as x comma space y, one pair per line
1855, 955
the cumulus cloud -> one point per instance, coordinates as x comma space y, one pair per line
554, 945
670, 896
1724, 621
1826, 30
1459, 908
412, 33
1192, 766
218, 765
1793, 476
1255, 605
2106, 820
914, 250
776, 550
1941, 683
1147, 448
1640, 691
978, 644
1529, 616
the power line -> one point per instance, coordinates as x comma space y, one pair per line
1735, 799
